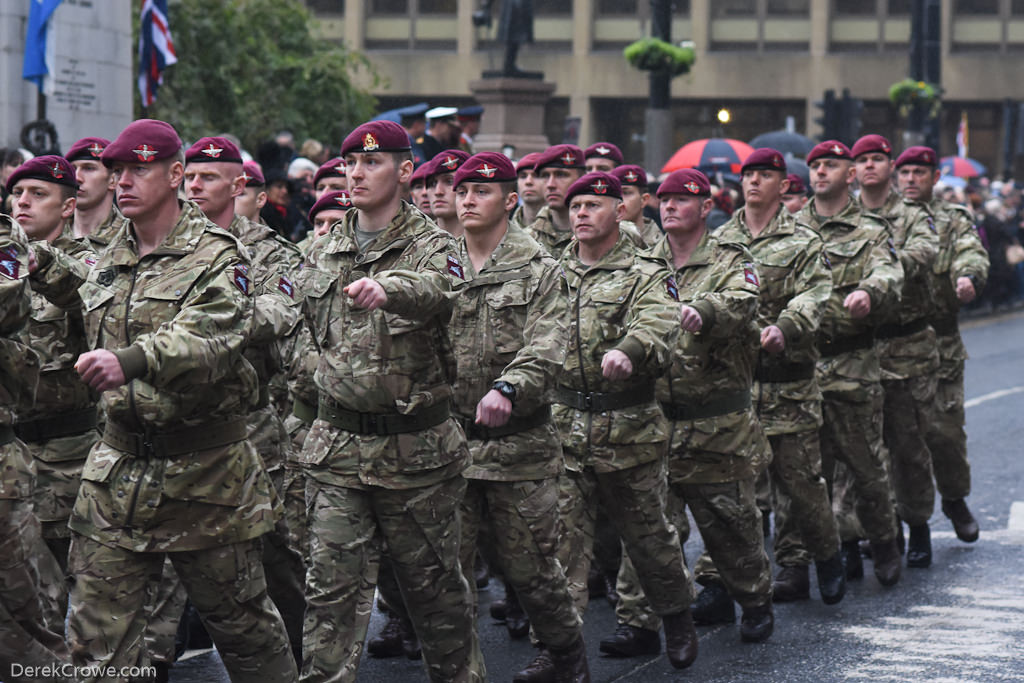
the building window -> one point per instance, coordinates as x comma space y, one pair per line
333, 7
548, 7
854, 8
617, 7
438, 6
976, 7
389, 7
761, 25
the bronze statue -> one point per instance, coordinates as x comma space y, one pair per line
515, 27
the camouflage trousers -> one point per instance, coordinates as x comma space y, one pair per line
525, 527
946, 438
805, 526
107, 618
852, 436
638, 497
907, 418
348, 531
31, 624
729, 522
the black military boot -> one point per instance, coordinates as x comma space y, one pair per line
831, 578
919, 547
571, 663
540, 670
516, 621
792, 584
631, 641
757, 624
964, 524
597, 587
886, 556
853, 560
499, 610
713, 606
397, 638
680, 639
611, 593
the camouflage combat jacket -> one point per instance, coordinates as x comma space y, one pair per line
107, 230
914, 353
19, 365
795, 283
858, 247
621, 302
716, 437
649, 233
178, 320
397, 359
510, 325
543, 230
961, 254
275, 264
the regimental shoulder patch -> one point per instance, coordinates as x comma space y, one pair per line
826, 261
286, 287
931, 225
672, 288
240, 276
750, 274
9, 264
105, 277
455, 268
892, 248
90, 261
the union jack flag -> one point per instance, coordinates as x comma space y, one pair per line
156, 48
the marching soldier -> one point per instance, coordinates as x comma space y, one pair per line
531, 198
96, 215
602, 156
634, 198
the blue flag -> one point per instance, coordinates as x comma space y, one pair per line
35, 68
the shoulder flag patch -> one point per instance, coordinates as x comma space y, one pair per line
455, 268
9, 264
750, 275
286, 287
240, 277
672, 288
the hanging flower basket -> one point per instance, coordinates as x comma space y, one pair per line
654, 54
908, 93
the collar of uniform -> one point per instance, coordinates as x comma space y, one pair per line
544, 224
702, 254
515, 250
182, 239
408, 222
782, 223
620, 256
848, 216
249, 231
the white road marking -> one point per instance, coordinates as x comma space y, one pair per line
984, 398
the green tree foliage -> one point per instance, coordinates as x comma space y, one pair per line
253, 67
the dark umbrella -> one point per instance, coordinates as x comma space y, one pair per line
798, 167
785, 141
711, 155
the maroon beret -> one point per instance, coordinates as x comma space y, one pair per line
830, 149
603, 150
144, 140
213, 149
560, 156
528, 162
796, 184
596, 183
87, 148
332, 168
485, 167
377, 136
49, 167
253, 174
419, 175
871, 143
919, 156
764, 159
447, 161
631, 174
686, 181
338, 199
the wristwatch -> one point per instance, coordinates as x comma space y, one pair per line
505, 389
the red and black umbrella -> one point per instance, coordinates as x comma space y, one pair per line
961, 167
711, 155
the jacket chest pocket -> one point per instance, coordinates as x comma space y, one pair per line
847, 260
606, 312
507, 306
318, 287
160, 299
776, 271
96, 301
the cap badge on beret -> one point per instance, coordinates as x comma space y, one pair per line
776, 160
57, 171
96, 149
370, 142
450, 162
567, 158
693, 187
631, 177
885, 147
145, 153
603, 151
246, 177
341, 168
487, 171
342, 200
599, 187
836, 149
211, 151
927, 157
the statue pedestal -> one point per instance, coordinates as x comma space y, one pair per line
513, 114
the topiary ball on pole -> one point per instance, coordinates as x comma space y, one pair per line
654, 54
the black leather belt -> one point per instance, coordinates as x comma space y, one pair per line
720, 405
65, 424
7, 435
513, 426
596, 401
381, 424
174, 442
893, 331
303, 411
946, 326
785, 372
829, 346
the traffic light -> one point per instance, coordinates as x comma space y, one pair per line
850, 110
829, 119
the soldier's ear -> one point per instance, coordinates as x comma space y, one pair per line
511, 200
